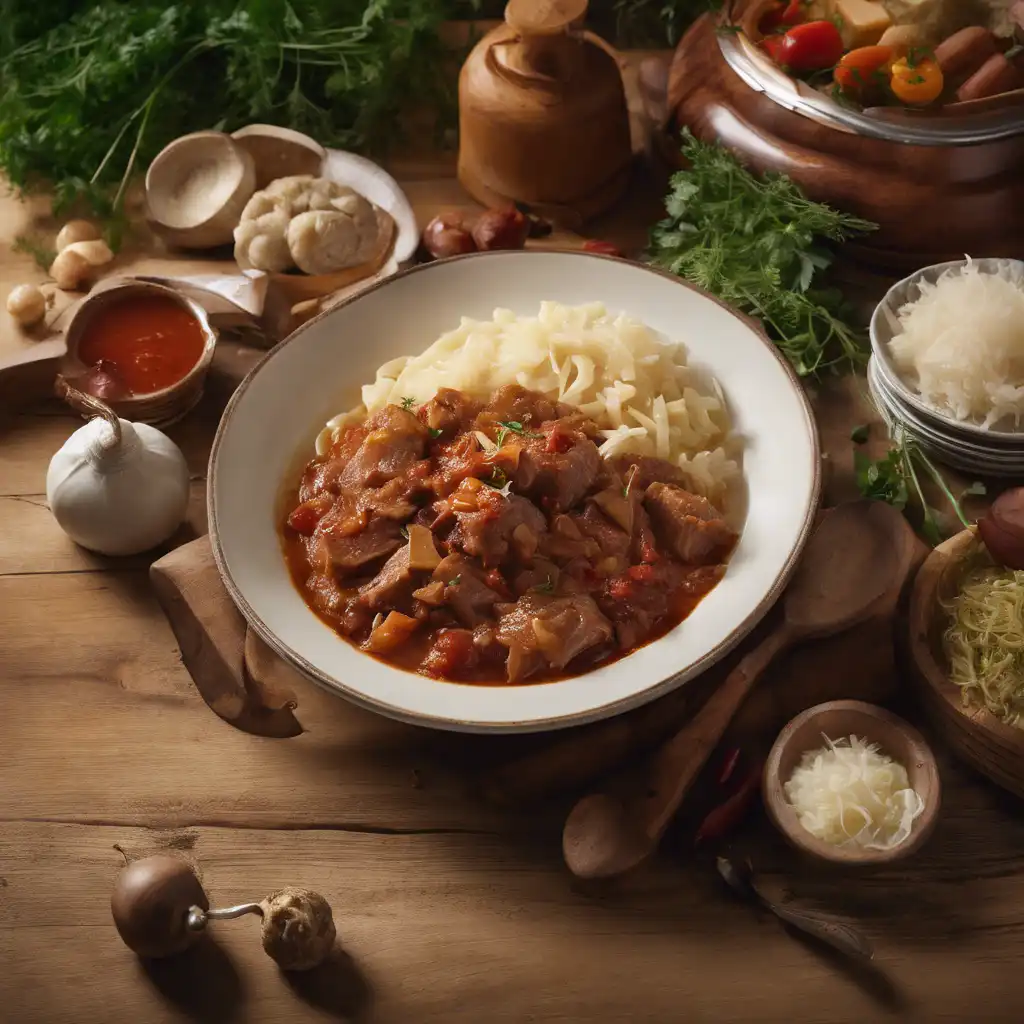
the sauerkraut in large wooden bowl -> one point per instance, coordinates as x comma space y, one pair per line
451, 498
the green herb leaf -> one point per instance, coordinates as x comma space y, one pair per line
436, 431
408, 403
404, 531
456, 581
758, 243
547, 587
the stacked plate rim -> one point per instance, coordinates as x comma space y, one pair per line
964, 446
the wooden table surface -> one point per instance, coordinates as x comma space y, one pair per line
448, 910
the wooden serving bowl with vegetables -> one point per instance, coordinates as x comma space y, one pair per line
966, 642
891, 132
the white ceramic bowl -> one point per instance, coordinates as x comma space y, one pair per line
268, 429
884, 322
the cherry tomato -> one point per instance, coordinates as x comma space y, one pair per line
811, 47
772, 45
791, 13
917, 82
862, 69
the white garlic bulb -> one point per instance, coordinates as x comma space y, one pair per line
115, 487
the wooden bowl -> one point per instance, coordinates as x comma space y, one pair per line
196, 189
976, 736
979, 188
841, 718
158, 408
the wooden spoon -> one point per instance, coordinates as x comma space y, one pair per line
849, 566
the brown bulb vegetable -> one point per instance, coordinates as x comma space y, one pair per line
501, 229
1002, 529
151, 903
160, 909
446, 235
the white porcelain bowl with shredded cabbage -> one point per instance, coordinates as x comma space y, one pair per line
269, 428
885, 326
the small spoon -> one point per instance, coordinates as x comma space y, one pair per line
825, 929
851, 563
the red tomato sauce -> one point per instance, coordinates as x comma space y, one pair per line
151, 340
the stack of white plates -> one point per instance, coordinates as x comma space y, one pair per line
964, 446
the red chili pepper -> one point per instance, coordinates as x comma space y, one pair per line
605, 248
812, 47
729, 766
728, 814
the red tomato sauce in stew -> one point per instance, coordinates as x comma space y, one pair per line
152, 341
525, 559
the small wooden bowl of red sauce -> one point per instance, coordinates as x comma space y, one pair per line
142, 348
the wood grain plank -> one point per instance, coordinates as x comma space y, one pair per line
31, 541
96, 659
451, 929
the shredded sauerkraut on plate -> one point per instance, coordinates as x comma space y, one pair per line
639, 390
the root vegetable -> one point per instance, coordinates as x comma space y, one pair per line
76, 231
501, 229
151, 902
446, 235
1002, 529
27, 304
95, 251
70, 270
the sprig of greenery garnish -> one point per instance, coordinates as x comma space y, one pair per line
894, 480
756, 243
408, 403
506, 427
91, 90
547, 587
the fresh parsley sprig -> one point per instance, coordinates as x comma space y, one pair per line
758, 243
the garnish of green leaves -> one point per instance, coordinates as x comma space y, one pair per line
92, 90
456, 581
408, 403
436, 431
506, 427
629, 482
404, 531
758, 243
547, 587
894, 480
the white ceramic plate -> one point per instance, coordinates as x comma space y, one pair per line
267, 434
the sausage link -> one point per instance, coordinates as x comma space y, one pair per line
997, 75
965, 52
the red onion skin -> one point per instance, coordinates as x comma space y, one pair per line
501, 229
1002, 529
446, 236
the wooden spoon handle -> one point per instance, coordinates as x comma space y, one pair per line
825, 929
676, 765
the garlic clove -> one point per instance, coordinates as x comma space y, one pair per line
114, 487
70, 270
95, 251
27, 304
76, 231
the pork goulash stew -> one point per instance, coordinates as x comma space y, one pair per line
491, 542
